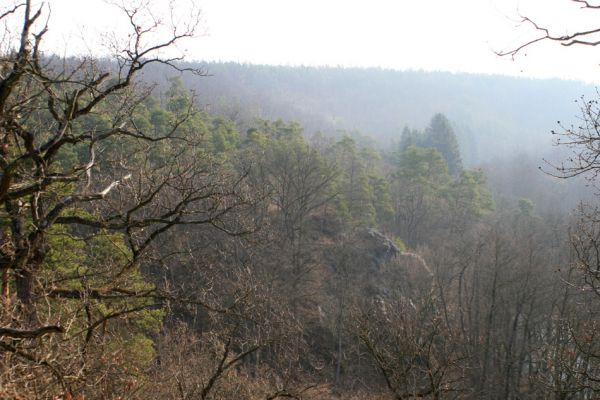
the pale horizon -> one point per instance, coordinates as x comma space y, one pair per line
457, 37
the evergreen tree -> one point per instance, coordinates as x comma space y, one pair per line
420, 185
382, 200
440, 136
355, 187
409, 137
224, 135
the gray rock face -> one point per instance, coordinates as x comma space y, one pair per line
379, 247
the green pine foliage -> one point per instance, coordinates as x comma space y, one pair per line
440, 136
355, 186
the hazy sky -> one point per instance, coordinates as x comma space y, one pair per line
457, 35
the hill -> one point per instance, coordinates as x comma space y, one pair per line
492, 115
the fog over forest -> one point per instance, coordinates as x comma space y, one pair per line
492, 115
503, 124
172, 229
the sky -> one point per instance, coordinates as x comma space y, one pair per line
456, 36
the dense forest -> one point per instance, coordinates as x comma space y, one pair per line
503, 125
492, 115
170, 235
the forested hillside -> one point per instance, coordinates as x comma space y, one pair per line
502, 124
493, 116
152, 247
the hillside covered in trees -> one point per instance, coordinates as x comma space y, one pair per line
493, 116
502, 124
168, 235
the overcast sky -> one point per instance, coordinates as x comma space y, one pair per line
457, 35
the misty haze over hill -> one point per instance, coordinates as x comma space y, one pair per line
493, 116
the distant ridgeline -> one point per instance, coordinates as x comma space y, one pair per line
491, 115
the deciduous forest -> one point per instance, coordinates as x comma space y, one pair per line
178, 230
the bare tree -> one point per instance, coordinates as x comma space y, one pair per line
569, 346
583, 37
87, 192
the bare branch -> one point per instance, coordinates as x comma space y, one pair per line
577, 38
30, 334
586, 4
